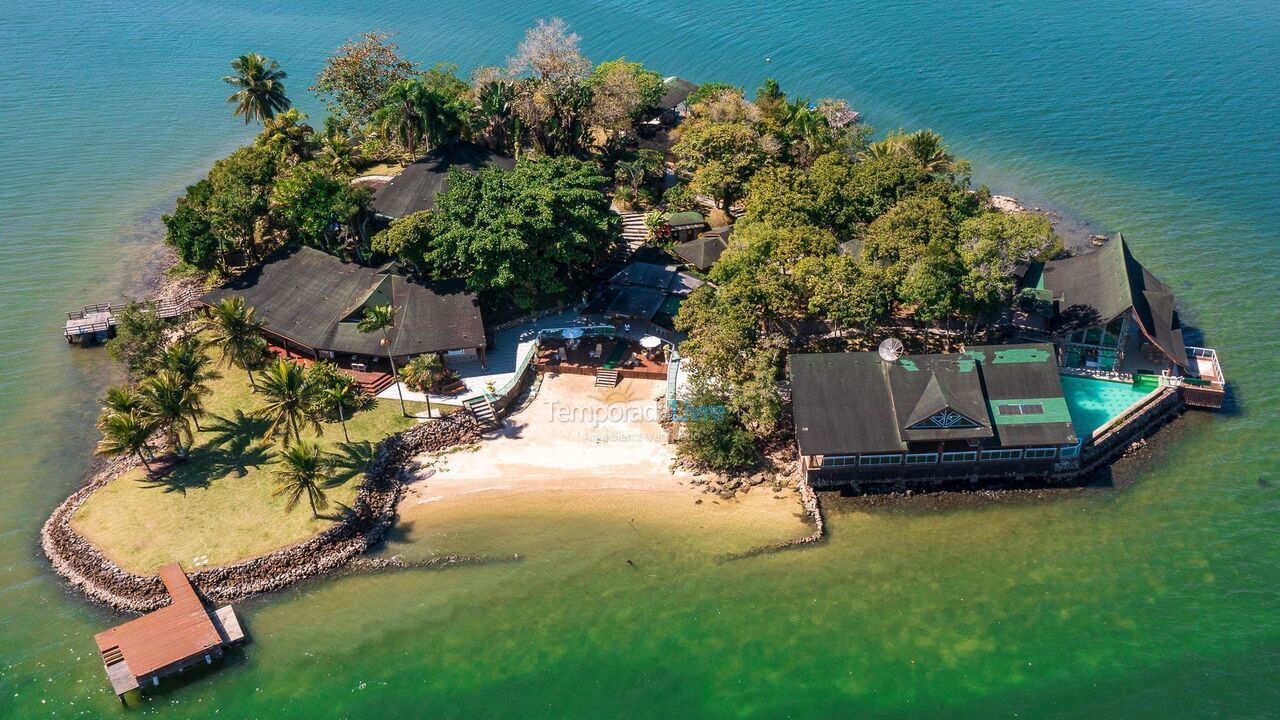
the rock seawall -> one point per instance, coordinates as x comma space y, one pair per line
372, 513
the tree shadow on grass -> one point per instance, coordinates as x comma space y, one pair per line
350, 460
233, 448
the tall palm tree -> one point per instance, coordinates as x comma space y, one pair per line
381, 318
125, 433
170, 404
302, 470
259, 84
119, 399
290, 401
186, 358
233, 327
339, 395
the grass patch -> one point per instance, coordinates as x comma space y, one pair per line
216, 508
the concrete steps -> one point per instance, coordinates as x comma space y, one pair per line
606, 378
483, 411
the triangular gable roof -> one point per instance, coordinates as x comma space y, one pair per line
702, 252
1096, 287
934, 401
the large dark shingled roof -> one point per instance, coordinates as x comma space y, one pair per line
1093, 288
315, 299
702, 252
415, 189
674, 91
851, 403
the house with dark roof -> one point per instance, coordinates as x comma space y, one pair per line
987, 412
311, 302
673, 106
1105, 310
642, 291
703, 251
416, 187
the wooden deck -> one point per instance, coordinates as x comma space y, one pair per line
176, 637
372, 380
628, 358
97, 322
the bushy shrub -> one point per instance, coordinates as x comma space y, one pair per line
326, 377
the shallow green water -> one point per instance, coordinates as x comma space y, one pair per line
1093, 401
1153, 599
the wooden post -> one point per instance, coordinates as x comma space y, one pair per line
483, 364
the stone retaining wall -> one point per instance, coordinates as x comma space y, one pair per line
372, 513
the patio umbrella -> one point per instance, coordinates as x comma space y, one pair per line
571, 333
650, 342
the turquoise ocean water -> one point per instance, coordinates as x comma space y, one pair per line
1154, 599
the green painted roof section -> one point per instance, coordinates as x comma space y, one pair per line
1055, 411
1021, 355
681, 219
908, 364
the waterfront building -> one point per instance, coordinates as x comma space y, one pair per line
988, 412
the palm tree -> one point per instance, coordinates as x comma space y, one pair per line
927, 149
259, 87
119, 399
381, 318
233, 328
339, 395
302, 470
290, 401
125, 433
186, 358
401, 116
169, 403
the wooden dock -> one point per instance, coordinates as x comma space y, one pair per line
95, 323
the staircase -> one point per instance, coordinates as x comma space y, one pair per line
634, 231
483, 411
606, 378
373, 383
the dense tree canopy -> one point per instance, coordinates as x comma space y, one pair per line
527, 236
355, 79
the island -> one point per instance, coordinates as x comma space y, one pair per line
558, 275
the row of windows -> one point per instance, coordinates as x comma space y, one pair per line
949, 457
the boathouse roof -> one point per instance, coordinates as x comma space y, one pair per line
316, 300
415, 189
852, 403
1096, 287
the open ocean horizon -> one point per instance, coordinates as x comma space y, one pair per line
1155, 598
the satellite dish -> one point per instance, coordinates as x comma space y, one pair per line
890, 349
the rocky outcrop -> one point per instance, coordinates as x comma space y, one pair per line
364, 526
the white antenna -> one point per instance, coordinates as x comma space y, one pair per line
890, 349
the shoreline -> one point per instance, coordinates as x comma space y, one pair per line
87, 569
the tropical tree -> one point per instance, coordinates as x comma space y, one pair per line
928, 150
355, 79
186, 358
289, 402
233, 328
418, 109
120, 399
125, 433
259, 84
379, 319
338, 396
140, 338
172, 406
301, 471
495, 96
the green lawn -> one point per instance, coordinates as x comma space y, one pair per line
216, 508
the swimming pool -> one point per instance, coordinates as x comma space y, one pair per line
1092, 402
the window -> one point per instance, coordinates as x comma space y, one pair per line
839, 460
880, 460
1020, 409
959, 457
996, 455
946, 419
1039, 453
922, 458
1069, 451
